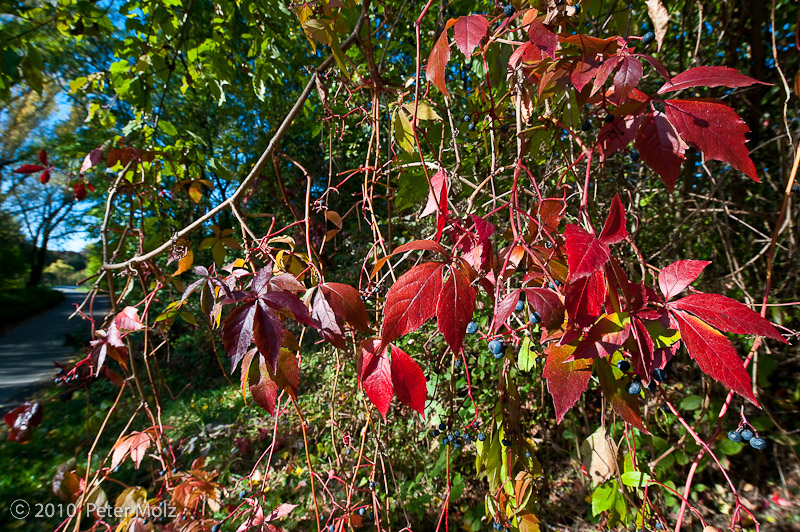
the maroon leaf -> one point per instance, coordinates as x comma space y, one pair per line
237, 333
29, 169
267, 333
614, 230
22, 420
92, 159
469, 30
656, 64
408, 380
288, 301
411, 300
583, 72
627, 77
624, 404
346, 302
45, 177
585, 253
728, 315
644, 352
715, 129
714, 354
566, 381
43, 157
375, 374
454, 309
661, 148
604, 71
437, 62
548, 304
678, 275
543, 38
584, 299
330, 323
705, 76
287, 372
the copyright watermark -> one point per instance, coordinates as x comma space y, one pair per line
22, 509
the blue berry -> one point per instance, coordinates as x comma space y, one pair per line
758, 444
457, 447
435, 433
331, 527
577, 8
535, 317
634, 155
372, 484
548, 244
505, 442
458, 363
504, 128
370, 516
481, 436
520, 305
659, 526
445, 441
467, 438
467, 118
609, 118
586, 126
472, 327
215, 528
623, 365
634, 388
747, 434
362, 511
442, 426
509, 11
471, 126
456, 433
347, 452
648, 37
660, 375
496, 347
551, 286
527, 454
242, 494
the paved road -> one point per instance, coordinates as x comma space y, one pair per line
28, 351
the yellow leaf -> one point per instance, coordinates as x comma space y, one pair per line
185, 263
403, 132
424, 111
196, 191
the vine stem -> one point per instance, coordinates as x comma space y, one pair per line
308, 459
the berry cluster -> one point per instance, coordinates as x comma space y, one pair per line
747, 435
456, 438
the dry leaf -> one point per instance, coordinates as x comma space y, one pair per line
660, 17
599, 456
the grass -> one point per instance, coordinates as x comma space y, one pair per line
18, 304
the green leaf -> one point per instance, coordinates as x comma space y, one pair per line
635, 479
527, 355
604, 497
403, 132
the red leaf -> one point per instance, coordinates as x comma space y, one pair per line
29, 169
604, 71
281, 511
438, 185
585, 253
603, 339
715, 129
614, 230
287, 372
408, 380
45, 177
525, 55
593, 45
330, 322
237, 332
43, 157
411, 300
627, 77
584, 299
264, 390
375, 374
661, 148
566, 381
80, 191
454, 309
346, 302
728, 315
128, 320
469, 30
267, 333
625, 405
504, 309
548, 304
420, 245
714, 354
583, 72
705, 76
678, 275
656, 64
134, 444
22, 420
618, 134
289, 302
543, 38
437, 62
